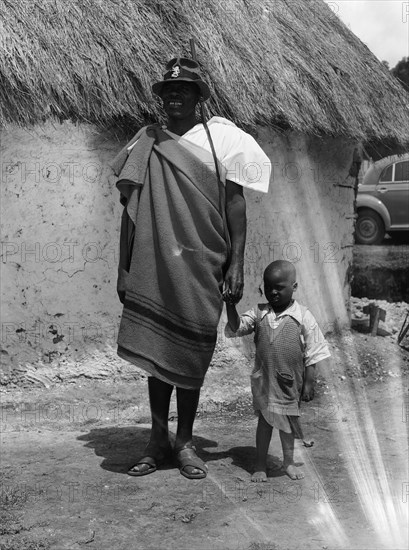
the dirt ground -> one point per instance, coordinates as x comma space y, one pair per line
382, 272
66, 450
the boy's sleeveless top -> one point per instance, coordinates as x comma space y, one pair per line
277, 377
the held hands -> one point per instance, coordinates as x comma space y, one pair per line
233, 292
233, 283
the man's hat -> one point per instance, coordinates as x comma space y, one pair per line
185, 70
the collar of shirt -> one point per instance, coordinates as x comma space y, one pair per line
214, 120
294, 311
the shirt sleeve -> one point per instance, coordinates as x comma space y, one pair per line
316, 348
242, 158
247, 323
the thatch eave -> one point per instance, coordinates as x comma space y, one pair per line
287, 64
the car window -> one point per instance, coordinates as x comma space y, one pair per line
387, 174
402, 171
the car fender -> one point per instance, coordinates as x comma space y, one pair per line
368, 201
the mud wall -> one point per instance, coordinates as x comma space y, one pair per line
306, 218
60, 217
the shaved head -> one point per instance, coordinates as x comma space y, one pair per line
282, 267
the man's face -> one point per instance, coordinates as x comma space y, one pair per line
278, 289
180, 99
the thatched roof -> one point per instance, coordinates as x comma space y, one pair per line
287, 63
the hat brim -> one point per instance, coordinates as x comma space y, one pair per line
203, 87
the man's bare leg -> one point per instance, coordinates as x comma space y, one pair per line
263, 438
187, 403
159, 399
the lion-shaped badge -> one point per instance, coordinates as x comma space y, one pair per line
175, 71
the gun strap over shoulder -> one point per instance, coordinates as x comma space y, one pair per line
222, 190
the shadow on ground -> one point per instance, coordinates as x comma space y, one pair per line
121, 447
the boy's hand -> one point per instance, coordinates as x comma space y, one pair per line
308, 391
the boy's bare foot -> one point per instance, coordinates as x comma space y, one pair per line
259, 476
292, 471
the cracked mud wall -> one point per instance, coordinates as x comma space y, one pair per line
60, 229
60, 217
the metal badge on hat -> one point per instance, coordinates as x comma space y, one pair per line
175, 71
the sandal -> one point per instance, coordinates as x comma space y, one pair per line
186, 456
154, 457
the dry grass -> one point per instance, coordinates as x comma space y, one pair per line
285, 63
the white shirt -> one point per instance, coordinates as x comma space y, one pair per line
315, 345
241, 159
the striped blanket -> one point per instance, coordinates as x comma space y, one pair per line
173, 288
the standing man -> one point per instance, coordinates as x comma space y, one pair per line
182, 245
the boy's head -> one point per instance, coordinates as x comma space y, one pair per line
279, 284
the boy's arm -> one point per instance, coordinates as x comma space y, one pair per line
309, 381
240, 325
232, 317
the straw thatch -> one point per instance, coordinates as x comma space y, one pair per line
286, 63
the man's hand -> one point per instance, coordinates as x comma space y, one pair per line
121, 296
233, 284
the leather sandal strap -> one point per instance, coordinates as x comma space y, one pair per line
149, 460
188, 457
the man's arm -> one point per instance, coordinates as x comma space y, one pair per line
125, 247
237, 224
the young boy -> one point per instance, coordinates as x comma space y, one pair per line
289, 344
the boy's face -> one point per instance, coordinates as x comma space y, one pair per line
278, 289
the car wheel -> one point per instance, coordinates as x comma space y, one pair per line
369, 228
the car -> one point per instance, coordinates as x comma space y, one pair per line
383, 201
